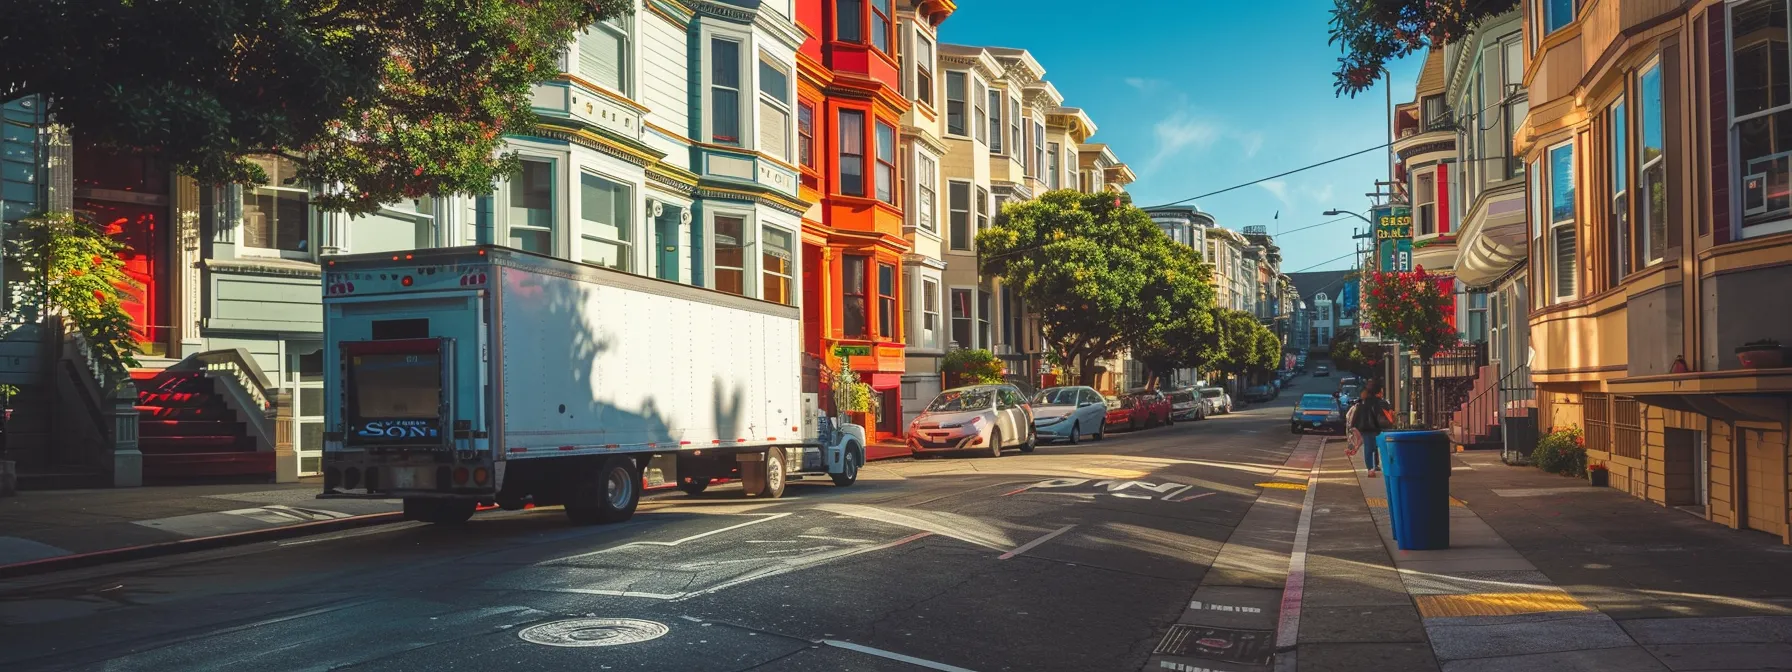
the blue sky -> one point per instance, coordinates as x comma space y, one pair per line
1200, 95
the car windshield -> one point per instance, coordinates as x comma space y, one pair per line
1212, 392
1181, 397
962, 400
1348, 391
1057, 396
1324, 401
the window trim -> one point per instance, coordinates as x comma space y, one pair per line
980, 203
623, 27
996, 102
1038, 145
888, 331
711, 87
781, 104
1618, 220
924, 68
970, 316
556, 196
791, 289
805, 134
1647, 238
930, 294
927, 179
887, 17
313, 222
969, 220
980, 109
1053, 180
1554, 228
747, 269
1573, 11
859, 26
1739, 228
863, 294
842, 155
963, 104
626, 227
886, 170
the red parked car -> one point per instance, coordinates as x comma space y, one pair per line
1142, 408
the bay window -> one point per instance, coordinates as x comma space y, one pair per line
277, 214
1563, 260
606, 229
1761, 114
724, 91
930, 313
958, 207
886, 163
955, 94
923, 69
886, 301
995, 121
603, 55
852, 285
776, 260
881, 25
961, 318
980, 117
531, 215
731, 254
805, 134
926, 181
1556, 14
852, 152
849, 17
1652, 167
774, 108
1618, 233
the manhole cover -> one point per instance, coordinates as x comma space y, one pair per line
593, 632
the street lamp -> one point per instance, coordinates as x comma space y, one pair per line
1336, 212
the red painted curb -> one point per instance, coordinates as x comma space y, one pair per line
96, 558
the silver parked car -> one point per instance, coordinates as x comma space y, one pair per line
983, 418
1218, 402
1187, 404
1069, 414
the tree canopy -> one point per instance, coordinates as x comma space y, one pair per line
1375, 32
392, 98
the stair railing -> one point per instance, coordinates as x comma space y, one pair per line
106, 419
246, 389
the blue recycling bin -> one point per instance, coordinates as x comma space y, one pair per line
1417, 465
1381, 451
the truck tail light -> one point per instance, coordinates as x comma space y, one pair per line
406, 281
480, 475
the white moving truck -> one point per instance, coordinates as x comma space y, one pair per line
464, 376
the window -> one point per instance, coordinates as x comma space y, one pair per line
886, 163
1424, 199
982, 204
776, 253
849, 18
927, 174
532, 208
983, 320
852, 285
930, 313
1556, 14
995, 121
886, 301
603, 55
1051, 165
980, 116
407, 225
955, 86
881, 25
277, 215
724, 92
1014, 133
852, 152
805, 134
958, 217
731, 254
1618, 234
1561, 219
1038, 147
606, 236
961, 319
774, 109
1475, 327
1652, 166
1761, 104
1011, 318
923, 69
1516, 103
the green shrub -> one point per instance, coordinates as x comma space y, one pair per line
1563, 452
972, 367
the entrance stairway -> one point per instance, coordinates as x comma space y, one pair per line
188, 433
1477, 423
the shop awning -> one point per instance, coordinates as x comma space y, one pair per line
884, 381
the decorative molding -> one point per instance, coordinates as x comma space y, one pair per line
752, 193
275, 267
771, 23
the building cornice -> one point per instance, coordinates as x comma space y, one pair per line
671, 10
752, 192
602, 140
784, 29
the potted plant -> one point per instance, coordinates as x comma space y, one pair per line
1598, 475
1762, 354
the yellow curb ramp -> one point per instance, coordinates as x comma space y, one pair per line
1496, 604
1383, 502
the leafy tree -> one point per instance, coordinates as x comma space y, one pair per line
1415, 309
1374, 32
1268, 351
71, 268
972, 367
1237, 342
394, 98
1089, 263
1177, 329
1347, 355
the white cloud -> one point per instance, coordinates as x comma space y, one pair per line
1178, 132
1143, 84
1278, 189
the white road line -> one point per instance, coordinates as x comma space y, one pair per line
892, 655
1029, 545
1289, 626
768, 518
845, 540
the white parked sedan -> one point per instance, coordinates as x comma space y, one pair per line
1188, 405
987, 418
1069, 414
1218, 402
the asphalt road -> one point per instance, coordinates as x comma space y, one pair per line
1071, 558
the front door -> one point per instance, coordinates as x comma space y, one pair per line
665, 244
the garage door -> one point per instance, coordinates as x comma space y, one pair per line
1766, 480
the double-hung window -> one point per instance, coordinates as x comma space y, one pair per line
927, 174
1652, 165
406, 225
277, 215
849, 20
1515, 101
930, 313
531, 215
852, 152
1051, 166
1761, 112
774, 108
1618, 234
1424, 199
1563, 262
724, 91
961, 318
731, 254
980, 119
886, 163
603, 55
852, 284
777, 265
955, 94
1014, 132
886, 301
982, 204
881, 25
1038, 147
1556, 14
983, 314
995, 120
958, 206
606, 236
923, 69
805, 134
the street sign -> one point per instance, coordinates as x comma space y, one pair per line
1393, 238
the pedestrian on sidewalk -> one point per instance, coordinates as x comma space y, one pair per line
1369, 417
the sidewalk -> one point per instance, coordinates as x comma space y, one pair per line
1549, 573
41, 525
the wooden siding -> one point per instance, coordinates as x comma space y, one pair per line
664, 82
265, 303
21, 356
1764, 453
1722, 507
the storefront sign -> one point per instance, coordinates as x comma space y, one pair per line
1393, 238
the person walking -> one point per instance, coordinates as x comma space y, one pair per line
1369, 417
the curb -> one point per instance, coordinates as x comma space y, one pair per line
108, 556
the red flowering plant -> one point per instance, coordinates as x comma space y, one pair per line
73, 270
1416, 308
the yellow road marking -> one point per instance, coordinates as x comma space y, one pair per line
1495, 604
1278, 485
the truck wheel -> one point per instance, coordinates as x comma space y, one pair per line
774, 474
849, 472
694, 486
607, 494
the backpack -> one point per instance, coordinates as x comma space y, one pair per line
1367, 420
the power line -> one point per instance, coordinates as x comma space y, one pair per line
1344, 256
1266, 179
1315, 226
